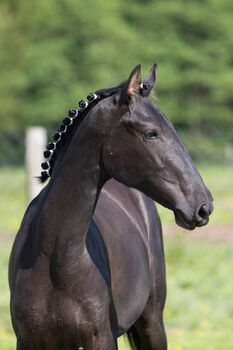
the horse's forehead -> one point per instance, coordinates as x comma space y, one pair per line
149, 110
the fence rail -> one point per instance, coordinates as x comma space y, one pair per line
35, 142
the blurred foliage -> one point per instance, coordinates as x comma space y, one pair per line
53, 53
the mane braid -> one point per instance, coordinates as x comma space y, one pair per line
69, 124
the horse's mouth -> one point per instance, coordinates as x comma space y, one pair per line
182, 221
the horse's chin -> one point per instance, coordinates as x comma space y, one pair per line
180, 221
183, 222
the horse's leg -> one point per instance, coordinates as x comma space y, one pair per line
151, 329
21, 346
102, 340
149, 325
106, 343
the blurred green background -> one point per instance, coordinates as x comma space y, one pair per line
53, 53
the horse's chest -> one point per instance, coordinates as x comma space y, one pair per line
130, 302
58, 318
61, 308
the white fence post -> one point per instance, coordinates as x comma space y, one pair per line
36, 138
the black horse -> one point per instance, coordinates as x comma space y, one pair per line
87, 264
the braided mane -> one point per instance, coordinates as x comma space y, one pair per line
56, 149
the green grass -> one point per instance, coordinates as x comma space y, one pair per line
7, 338
199, 308
13, 199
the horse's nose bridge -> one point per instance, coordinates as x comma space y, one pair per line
193, 187
201, 199
200, 193
190, 181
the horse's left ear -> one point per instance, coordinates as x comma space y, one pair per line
132, 86
149, 82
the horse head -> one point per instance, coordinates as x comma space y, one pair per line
141, 149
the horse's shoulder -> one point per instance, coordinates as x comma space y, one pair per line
119, 201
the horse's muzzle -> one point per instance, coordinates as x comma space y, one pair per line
200, 217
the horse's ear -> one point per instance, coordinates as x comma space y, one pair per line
132, 86
149, 81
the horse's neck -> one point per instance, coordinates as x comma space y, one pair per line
70, 203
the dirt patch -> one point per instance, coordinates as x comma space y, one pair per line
217, 233
7, 237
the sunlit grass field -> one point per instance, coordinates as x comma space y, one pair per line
199, 307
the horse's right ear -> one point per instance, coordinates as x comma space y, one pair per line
132, 86
149, 81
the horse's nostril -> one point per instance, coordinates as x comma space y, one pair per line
203, 211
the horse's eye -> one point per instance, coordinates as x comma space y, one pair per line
150, 134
